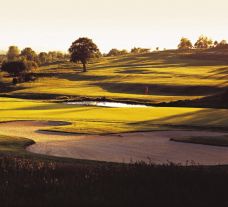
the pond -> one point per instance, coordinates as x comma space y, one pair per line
106, 104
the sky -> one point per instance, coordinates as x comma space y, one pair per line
54, 24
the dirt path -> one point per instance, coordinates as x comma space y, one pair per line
154, 146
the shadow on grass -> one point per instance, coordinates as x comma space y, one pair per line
71, 76
204, 119
158, 89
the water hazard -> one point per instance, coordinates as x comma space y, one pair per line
107, 104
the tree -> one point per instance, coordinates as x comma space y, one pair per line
113, 52
2, 58
216, 43
52, 56
29, 54
223, 42
13, 53
124, 52
203, 42
185, 43
43, 57
82, 50
59, 55
30, 65
222, 45
135, 50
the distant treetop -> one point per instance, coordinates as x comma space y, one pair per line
13, 53
116, 52
203, 42
138, 50
185, 43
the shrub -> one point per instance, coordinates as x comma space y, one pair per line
20, 70
14, 68
15, 81
28, 77
30, 65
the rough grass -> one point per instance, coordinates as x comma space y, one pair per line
28, 182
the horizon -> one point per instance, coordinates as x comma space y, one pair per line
51, 26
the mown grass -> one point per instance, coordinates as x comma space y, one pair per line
27, 179
170, 76
100, 120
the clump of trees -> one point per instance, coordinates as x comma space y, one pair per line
203, 42
222, 45
20, 64
20, 70
51, 57
116, 52
139, 50
135, 50
185, 43
82, 50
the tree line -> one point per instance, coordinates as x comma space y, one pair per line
135, 50
20, 64
28, 54
203, 42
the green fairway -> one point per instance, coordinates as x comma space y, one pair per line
110, 120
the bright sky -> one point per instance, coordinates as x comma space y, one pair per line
55, 24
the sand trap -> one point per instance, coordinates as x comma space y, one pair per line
153, 146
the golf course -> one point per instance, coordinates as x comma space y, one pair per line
113, 103
171, 77
133, 113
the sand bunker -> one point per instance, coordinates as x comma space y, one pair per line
141, 146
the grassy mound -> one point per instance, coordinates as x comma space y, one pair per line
13, 144
169, 76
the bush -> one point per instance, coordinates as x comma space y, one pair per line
28, 77
30, 65
15, 81
14, 68
20, 70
